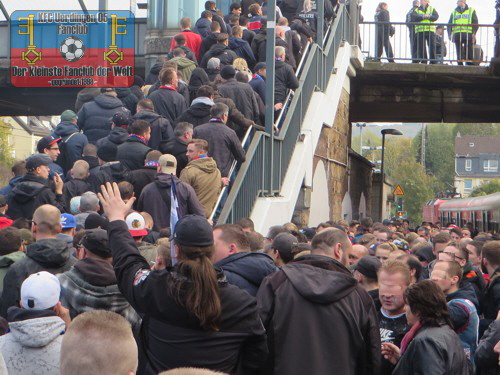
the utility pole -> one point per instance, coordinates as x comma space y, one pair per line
422, 147
361, 126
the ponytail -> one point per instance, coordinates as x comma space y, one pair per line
201, 298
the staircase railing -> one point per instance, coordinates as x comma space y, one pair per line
262, 175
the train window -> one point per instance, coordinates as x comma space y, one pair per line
490, 165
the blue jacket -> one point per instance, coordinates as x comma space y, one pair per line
242, 49
71, 145
202, 27
94, 117
7, 189
247, 270
259, 86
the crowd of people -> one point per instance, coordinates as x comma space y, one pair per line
427, 39
110, 262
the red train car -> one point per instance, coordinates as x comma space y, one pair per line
431, 210
483, 212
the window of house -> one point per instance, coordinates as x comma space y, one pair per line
468, 165
471, 144
467, 185
490, 165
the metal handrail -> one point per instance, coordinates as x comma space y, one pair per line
255, 178
231, 171
372, 33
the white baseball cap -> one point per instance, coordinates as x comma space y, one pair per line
136, 224
40, 291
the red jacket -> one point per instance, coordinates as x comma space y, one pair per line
5, 222
193, 41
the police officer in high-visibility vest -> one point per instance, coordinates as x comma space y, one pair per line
425, 31
462, 31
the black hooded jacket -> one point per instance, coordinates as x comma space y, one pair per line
155, 200
197, 114
152, 76
118, 135
340, 316
29, 194
161, 129
94, 117
222, 52
128, 98
168, 103
198, 78
71, 145
171, 337
49, 255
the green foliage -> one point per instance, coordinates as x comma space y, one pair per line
488, 188
369, 139
6, 159
401, 165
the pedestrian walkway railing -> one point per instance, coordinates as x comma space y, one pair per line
409, 46
263, 172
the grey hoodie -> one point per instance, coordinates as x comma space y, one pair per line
33, 346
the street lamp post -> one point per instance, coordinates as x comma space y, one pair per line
382, 179
361, 126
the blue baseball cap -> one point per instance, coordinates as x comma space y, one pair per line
68, 221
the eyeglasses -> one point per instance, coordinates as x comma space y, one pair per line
453, 255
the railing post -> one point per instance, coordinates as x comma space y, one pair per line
270, 68
320, 29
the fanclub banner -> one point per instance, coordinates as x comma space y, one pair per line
72, 48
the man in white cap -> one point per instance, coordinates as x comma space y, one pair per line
34, 342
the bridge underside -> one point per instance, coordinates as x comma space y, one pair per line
425, 93
36, 101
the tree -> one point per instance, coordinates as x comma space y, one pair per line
6, 159
401, 165
490, 187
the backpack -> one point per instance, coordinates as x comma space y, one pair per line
62, 159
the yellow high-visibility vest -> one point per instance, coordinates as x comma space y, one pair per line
462, 22
425, 25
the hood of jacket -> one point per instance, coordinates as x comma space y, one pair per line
37, 332
49, 253
320, 279
183, 62
9, 259
14, 180
122, 92
207, 165
28, 187
118, 135
148, 116
199, 110
253, 267
156, 68
108, 101
92, 160
164, 181
236, 43
466, 291
198, 78
203, 100
65, 128
97, 272
218, 49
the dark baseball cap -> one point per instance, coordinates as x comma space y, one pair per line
46, 142
259, 66
96, 241
368, 266
285, 243
36, 160
227, 72
193, 230
121, 118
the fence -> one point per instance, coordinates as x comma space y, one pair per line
263, 173
374, 36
